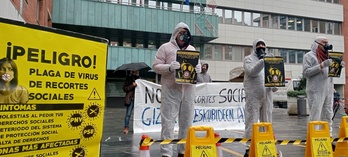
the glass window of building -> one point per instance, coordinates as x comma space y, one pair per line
127, 42
185, 8
322, 27
176, 7
275, 52
247, 19
197, 9
329, 26
329, 1
291, 23
300, 55
228, 16
228, 52
151, 44
282, 21
237, 15
336, 1
299, 24
164, 5
321, 0
152, 4
140, 43
315, 25
284, 55
275, 21
266, 22
337, 29
218, 52
237, 53
292, 56
307, 25
256, 19
246, 51
219, 13
208, 49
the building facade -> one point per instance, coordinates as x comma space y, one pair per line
223, 30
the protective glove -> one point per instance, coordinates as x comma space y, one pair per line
343, 64
198, 68
274, 89
326, 63
174, 65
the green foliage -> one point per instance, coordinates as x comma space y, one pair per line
300, 90
295, 93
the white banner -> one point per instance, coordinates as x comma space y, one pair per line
220, 105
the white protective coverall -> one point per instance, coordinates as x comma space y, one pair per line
177, 99
319, 87
259, 99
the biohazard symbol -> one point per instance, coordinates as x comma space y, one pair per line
322, 149
266, 151
204, 154
94, 95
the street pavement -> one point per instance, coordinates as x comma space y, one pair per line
116, 144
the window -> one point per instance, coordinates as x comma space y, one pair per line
299, 22
275, 21
237, 53
127, 42
247, 19
219, 13
336, 1
152, 44
307, 25
322, 26
207, 51
140, 43
247, 51
300, 55
266, 20
284, 55
337, 29
291, 23
218, 52
256, 19
228, 53
237, 18
330, 27
175, 7
282, 20
292, 56
228, 16
315, 25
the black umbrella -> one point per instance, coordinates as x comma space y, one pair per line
141, 66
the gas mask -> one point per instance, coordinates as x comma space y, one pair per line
326, 47
260, 52
185, 37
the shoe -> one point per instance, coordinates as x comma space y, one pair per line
180, 155
125, 130
246, 153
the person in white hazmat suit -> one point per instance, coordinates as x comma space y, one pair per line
176, 99
259, 99
319, 87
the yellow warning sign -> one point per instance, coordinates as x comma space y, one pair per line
266, 148
94, 95
204, 154
322, 147
203, 151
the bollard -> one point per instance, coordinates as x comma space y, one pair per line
144, 151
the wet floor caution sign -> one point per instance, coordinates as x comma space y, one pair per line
318, 140
201, 146
262, 141
266, 148
321, 147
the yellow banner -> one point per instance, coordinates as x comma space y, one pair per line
52, 92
